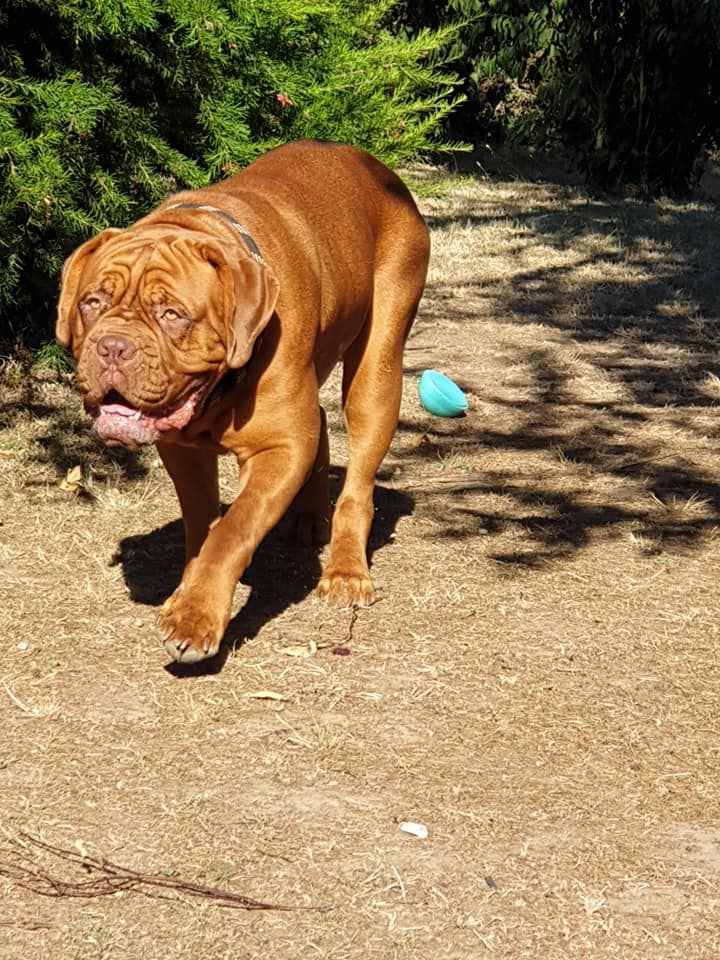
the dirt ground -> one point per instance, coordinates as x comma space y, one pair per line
537, 684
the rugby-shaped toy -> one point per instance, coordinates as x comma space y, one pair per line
439, 395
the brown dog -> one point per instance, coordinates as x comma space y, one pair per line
207, 328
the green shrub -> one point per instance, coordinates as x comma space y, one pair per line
106, 107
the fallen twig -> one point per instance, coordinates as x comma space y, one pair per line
112, 878
25, 924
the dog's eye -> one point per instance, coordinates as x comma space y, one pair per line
92, 303
175, 323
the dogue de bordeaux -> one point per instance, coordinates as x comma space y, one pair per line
208, 326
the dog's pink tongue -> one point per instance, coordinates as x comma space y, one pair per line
118, 428
117, 423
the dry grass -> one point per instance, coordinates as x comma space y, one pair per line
538, 683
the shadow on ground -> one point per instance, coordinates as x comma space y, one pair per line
280, 575
586, 331
60, 430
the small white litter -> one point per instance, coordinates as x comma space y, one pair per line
418, 830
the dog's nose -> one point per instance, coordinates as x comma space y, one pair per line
114, 350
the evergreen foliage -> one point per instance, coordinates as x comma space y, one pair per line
106, 106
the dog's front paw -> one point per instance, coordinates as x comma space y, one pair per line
191, 629
346, 587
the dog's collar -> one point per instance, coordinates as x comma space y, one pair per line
249, 242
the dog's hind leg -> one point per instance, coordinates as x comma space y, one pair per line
311, 507
372, 388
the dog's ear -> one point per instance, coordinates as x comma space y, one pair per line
251, 291
71, 274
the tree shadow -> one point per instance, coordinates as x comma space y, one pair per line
65, 439
587, 338
280, 575
583, 328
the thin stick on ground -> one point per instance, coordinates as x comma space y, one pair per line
19, 924
112, 878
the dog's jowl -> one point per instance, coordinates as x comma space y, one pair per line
207, 328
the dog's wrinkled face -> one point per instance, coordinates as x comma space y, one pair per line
155, 317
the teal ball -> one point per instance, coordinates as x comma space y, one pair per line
439, 395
